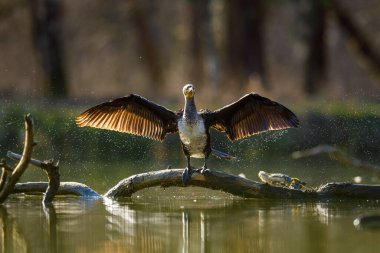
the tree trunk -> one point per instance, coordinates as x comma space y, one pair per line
46, 18
245, 52
363, 43
205, 67
315, 72
149, 47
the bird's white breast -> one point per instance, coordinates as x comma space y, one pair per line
193, 136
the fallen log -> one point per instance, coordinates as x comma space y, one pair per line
215, 180
240, 186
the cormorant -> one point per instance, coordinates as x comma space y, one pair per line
251, 114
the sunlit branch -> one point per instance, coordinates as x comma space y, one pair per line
240, 186
52, 171
9, 176
6, 171
24, 161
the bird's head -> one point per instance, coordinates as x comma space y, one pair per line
188, 91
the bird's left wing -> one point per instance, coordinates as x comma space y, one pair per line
131, 114
250, 115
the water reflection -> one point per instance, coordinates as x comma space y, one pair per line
183, 225
233, 227
136, 229
12, 239
144, 230
51, 220
369, 222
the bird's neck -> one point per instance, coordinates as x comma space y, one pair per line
190, 111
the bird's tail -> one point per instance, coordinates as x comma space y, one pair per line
220, 154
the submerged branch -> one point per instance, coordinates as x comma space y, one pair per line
65, 188
339, 156
239, 186
52, 171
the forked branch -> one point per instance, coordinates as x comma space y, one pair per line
9, 176
52, 171
12, 179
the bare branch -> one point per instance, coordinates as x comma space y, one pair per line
15, 156
216, 180
6, 171
23, 163
52, 171
239, 186
339, 156
54, 180
65, 188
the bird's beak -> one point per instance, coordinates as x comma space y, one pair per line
189, 92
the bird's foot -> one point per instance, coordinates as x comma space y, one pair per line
186, 175
204, 170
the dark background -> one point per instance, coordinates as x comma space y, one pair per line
319, 58
288, 49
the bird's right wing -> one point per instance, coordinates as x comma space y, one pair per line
131, 114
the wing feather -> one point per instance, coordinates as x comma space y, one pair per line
131, 114
252, 114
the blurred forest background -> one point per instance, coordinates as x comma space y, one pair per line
321, 58
294, 49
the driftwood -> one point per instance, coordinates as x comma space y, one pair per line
212, 179
10, 176
216, 180
54, 186
240, 186
65, 188
52, 171
338, 155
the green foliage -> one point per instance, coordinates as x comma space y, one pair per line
58, 137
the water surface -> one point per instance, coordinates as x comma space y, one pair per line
184, 220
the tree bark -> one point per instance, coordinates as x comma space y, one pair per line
239, 186
216, 180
